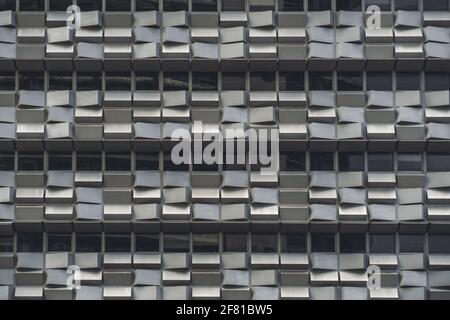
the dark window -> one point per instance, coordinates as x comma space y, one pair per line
147, 80
239, 160
205, 243
175, 81
89, 162
59, 242
382, 243
234, 242
262, 81
8, 81
385, 5
118, 81
6, 5
30, 162
379, 81
292, 161
176, 243
380, 162
349, 161
319, 5
147, 5
147, 243
291, 81
321, 161
411, 242
204, 5
409, 162
170, 166
320, 81
30, 242
117, 243
410, 5
438, 161
6, 244
258, 5
233, 5
233, 81
264, 243
350, 81
147, 161
348, 5
439, 243
352, 242
290, 5
118, 162
436, 81
204, 81
293, 243
175, 5
61, 161
32, 5
89, 81
59, 5
89, 243
408, 80
118, 5
7, 162
31, 81
60, 81
435, 5
90, 5
323, 242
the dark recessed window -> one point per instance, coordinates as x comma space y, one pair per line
89, 81
147, 243
382, 243
32, 5
233, 81
204, 81
290, 5
147, 80
89, 162
233, 5
350, 81
321, 161
320, 81
234, 242
439, 243
204, 5
293, 243
117, 243
380, 161
292, 161
411, 243
175, 5
118, 162
436, 81
30, 242
59, 242
352, 242
7, 81
348, 5
30, 162
118, 5
6, 244
90, 5
264, 243
319, 5
89, 243
409, 162
323, 242
379, 81
408, 80
438, 161
409, 5
31, 81
176, 243
205, 243
238, 161
435, 5
59, 161
118, 81
59, 5
148, 161
258, 5
385, 5
291, 81
262, 81
349, 161
7, 162
60, 81
6, 5
170, 166
175, 81
147, 5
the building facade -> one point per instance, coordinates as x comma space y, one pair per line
92, 205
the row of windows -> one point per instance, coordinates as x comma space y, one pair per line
209, 81
289, 161
231, 5
258, 243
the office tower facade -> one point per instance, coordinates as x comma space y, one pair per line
92, 205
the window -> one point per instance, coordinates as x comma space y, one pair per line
233, 81
409, 5
409, 162
323, 242
6, 244
89, 243
408, 80
349, 161
348, 5
89, 5
176, 243
60, 161
435, 5
147, 243
89, 162
60, 81
293, 243
262, 81
205, 243
147, 5
30, 242
117, 243
118, 81
89, 81
382, 243
411, 243
170, 166
321, 161
261, 5
233, 5
7, 162
59, 5
385, 5
6, 5
234, 242
380, 162
290, 5
31, 81
291, 81
147, 161
147, 80
438, 161
320, 81
175, 81
118, 162
350, 81
204, 81
59, 242
204, 5
436, 81
292, 161
30, 162
264, 243
352, 242
7, 81
319, 5
32, 5
379, 81
175, 5
118, 5
439, 243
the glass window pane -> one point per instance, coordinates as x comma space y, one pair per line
31, 81
118, 162
349, 161
204, 5
291, 81
380, 162
379, 81
234, 242
262, 81
352, 242
411, 243
350, 81
118, 81
7, 162
30, 242
89, 243
147, 161
436, 81
319, 5
233, 5
30, 162
438, 161
147, 80
176, 243
321, 161
59, 5
292, 161
59, 161
264, 243
323, 242
204, 81
7, 81
175, 5
385, 5
290, 5
348, 5
175, 81
147, 243
89, 81
439, 243
147, 5
408, 80
320, 81
410, 5
89, 5
89, 162
59, 242
261, 5
205, 243
6, 5
233, 81
6, 244
170, 166
435, 5
409, 162
32, 5
118, 243
293, 243
118, 5
382, 243
60, 81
